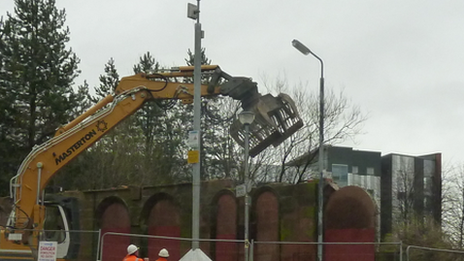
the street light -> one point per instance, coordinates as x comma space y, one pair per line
305, 50
246, 118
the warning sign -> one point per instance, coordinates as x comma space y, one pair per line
193, 156
47, 251
194, 139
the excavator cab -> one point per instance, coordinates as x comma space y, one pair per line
61, 220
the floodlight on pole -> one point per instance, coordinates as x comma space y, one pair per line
305, 50
246, 118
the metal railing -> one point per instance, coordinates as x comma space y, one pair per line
453, 251
102, 242
92, 242
398, 246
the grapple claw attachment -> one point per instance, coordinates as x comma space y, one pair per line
276, 119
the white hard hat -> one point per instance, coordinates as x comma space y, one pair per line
163, 253
132, 249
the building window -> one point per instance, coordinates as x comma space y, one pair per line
370, 171
427, 186
340, 174
355, 170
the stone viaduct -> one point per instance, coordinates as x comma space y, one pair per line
279, 212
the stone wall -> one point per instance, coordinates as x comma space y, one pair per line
279, 212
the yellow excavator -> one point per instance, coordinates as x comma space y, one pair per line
32, 215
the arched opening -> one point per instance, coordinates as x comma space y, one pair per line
349, 217
112, 216
162, 216
225, 220
267, 226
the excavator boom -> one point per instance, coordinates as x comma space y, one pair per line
276, 120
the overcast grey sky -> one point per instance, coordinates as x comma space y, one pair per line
401, 61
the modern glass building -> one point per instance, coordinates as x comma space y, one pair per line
400, 185
410, 188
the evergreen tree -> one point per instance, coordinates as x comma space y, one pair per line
148, 116
204, 59
163, 127
84, 98
108, 81
219, 151
114, 160
37, 73
119, 150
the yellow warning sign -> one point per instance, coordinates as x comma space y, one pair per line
193, 156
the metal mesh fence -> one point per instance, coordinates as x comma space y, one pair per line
234, 250
215, 249
333, 251
111, 246
418, 253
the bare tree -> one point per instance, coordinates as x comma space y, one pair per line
424, 231
403, 199
453, 204
295, 157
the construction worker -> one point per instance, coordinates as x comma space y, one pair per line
132, 253
163, 255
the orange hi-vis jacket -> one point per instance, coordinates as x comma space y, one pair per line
132, 258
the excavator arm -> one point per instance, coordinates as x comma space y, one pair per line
271, 127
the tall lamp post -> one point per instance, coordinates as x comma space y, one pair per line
246, 118
305, 50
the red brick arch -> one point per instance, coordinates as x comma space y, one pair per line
349, 217
225, 222
112, 216
267, 226
163, 219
